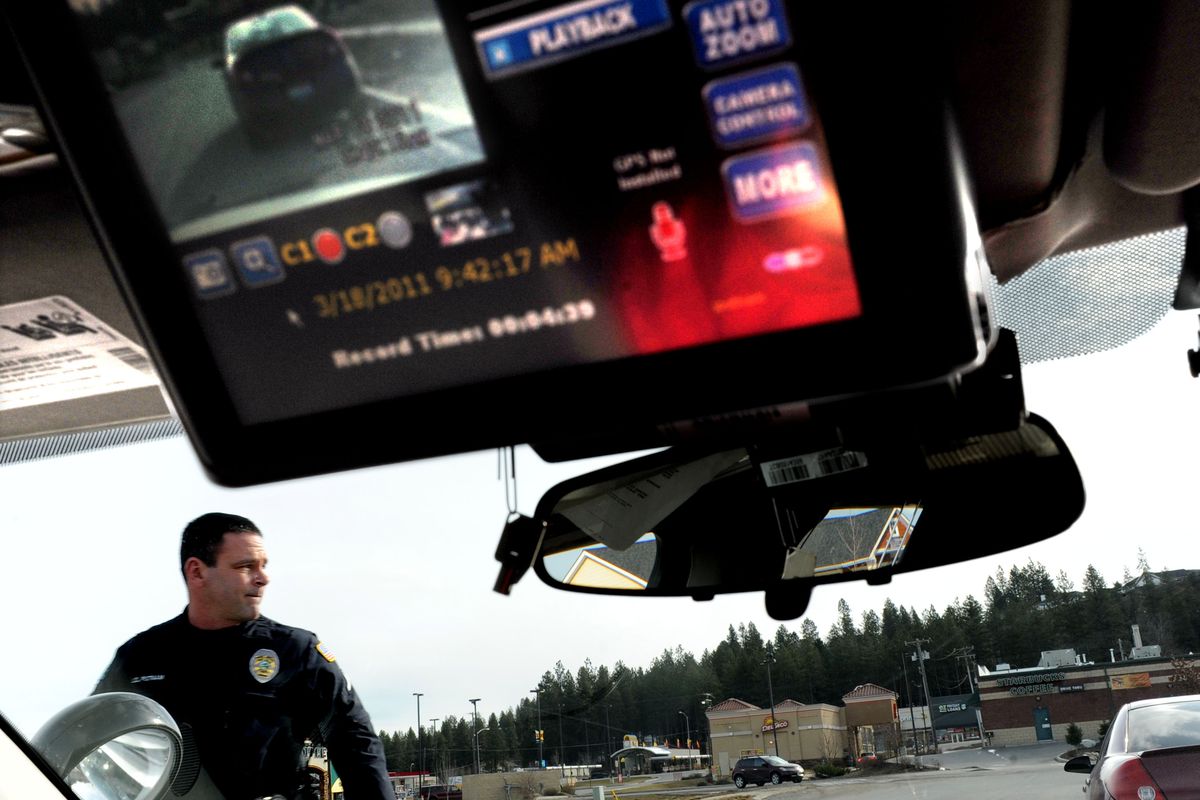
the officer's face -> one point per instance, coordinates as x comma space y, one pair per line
233, 589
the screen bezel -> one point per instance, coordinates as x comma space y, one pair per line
920, 321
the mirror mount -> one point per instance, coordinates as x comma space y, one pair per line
787, 601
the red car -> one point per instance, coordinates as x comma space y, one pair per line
1151, 750
866, 759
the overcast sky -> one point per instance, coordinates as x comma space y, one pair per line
393, 567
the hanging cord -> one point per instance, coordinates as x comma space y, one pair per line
506, 470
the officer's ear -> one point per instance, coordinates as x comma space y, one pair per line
193, 570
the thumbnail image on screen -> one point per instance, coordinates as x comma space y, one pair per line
241, 111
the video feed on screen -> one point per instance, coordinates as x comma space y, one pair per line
240, 111
467, 212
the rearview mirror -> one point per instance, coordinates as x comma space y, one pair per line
784, 519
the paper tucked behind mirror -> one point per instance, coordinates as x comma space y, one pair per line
620, 512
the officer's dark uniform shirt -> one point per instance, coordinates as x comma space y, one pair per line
251, 694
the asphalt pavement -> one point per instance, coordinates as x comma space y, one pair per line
1029, 772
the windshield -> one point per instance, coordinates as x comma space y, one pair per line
393, 568
268, 27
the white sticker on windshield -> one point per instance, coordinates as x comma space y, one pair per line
52, 350
811, 466
619, 517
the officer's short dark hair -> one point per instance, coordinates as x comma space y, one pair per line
202, 536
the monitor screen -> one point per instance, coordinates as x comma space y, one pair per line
377, 199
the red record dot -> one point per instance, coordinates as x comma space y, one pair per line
329, 246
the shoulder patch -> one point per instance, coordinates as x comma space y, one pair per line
324, 651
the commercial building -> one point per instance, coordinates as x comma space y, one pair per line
873, 718
798, 732
1024, 706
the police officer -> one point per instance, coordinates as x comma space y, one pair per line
247, 691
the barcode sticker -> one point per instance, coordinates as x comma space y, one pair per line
811, 466
53, 350
134, 357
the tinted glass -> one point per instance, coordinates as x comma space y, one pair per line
1156, 727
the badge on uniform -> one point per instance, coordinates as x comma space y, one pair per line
264, 664
325, 654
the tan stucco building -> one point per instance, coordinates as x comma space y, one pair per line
872, 717
805, 733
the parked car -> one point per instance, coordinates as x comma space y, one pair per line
1151, 750
760, 769
283, 69
867, 759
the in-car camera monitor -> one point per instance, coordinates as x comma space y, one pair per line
496, 222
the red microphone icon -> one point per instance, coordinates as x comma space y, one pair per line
668, 233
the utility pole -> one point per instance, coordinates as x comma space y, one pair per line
562, 748
769, 659
912, 712
920, 657
474, 723
587, 742
967, 655
608, 749
420, 743
541, 756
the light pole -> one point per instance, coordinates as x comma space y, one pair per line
707, 703
433, 724
541, 756
474, 724
769, 659
481, 730
688, 725
420, 742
